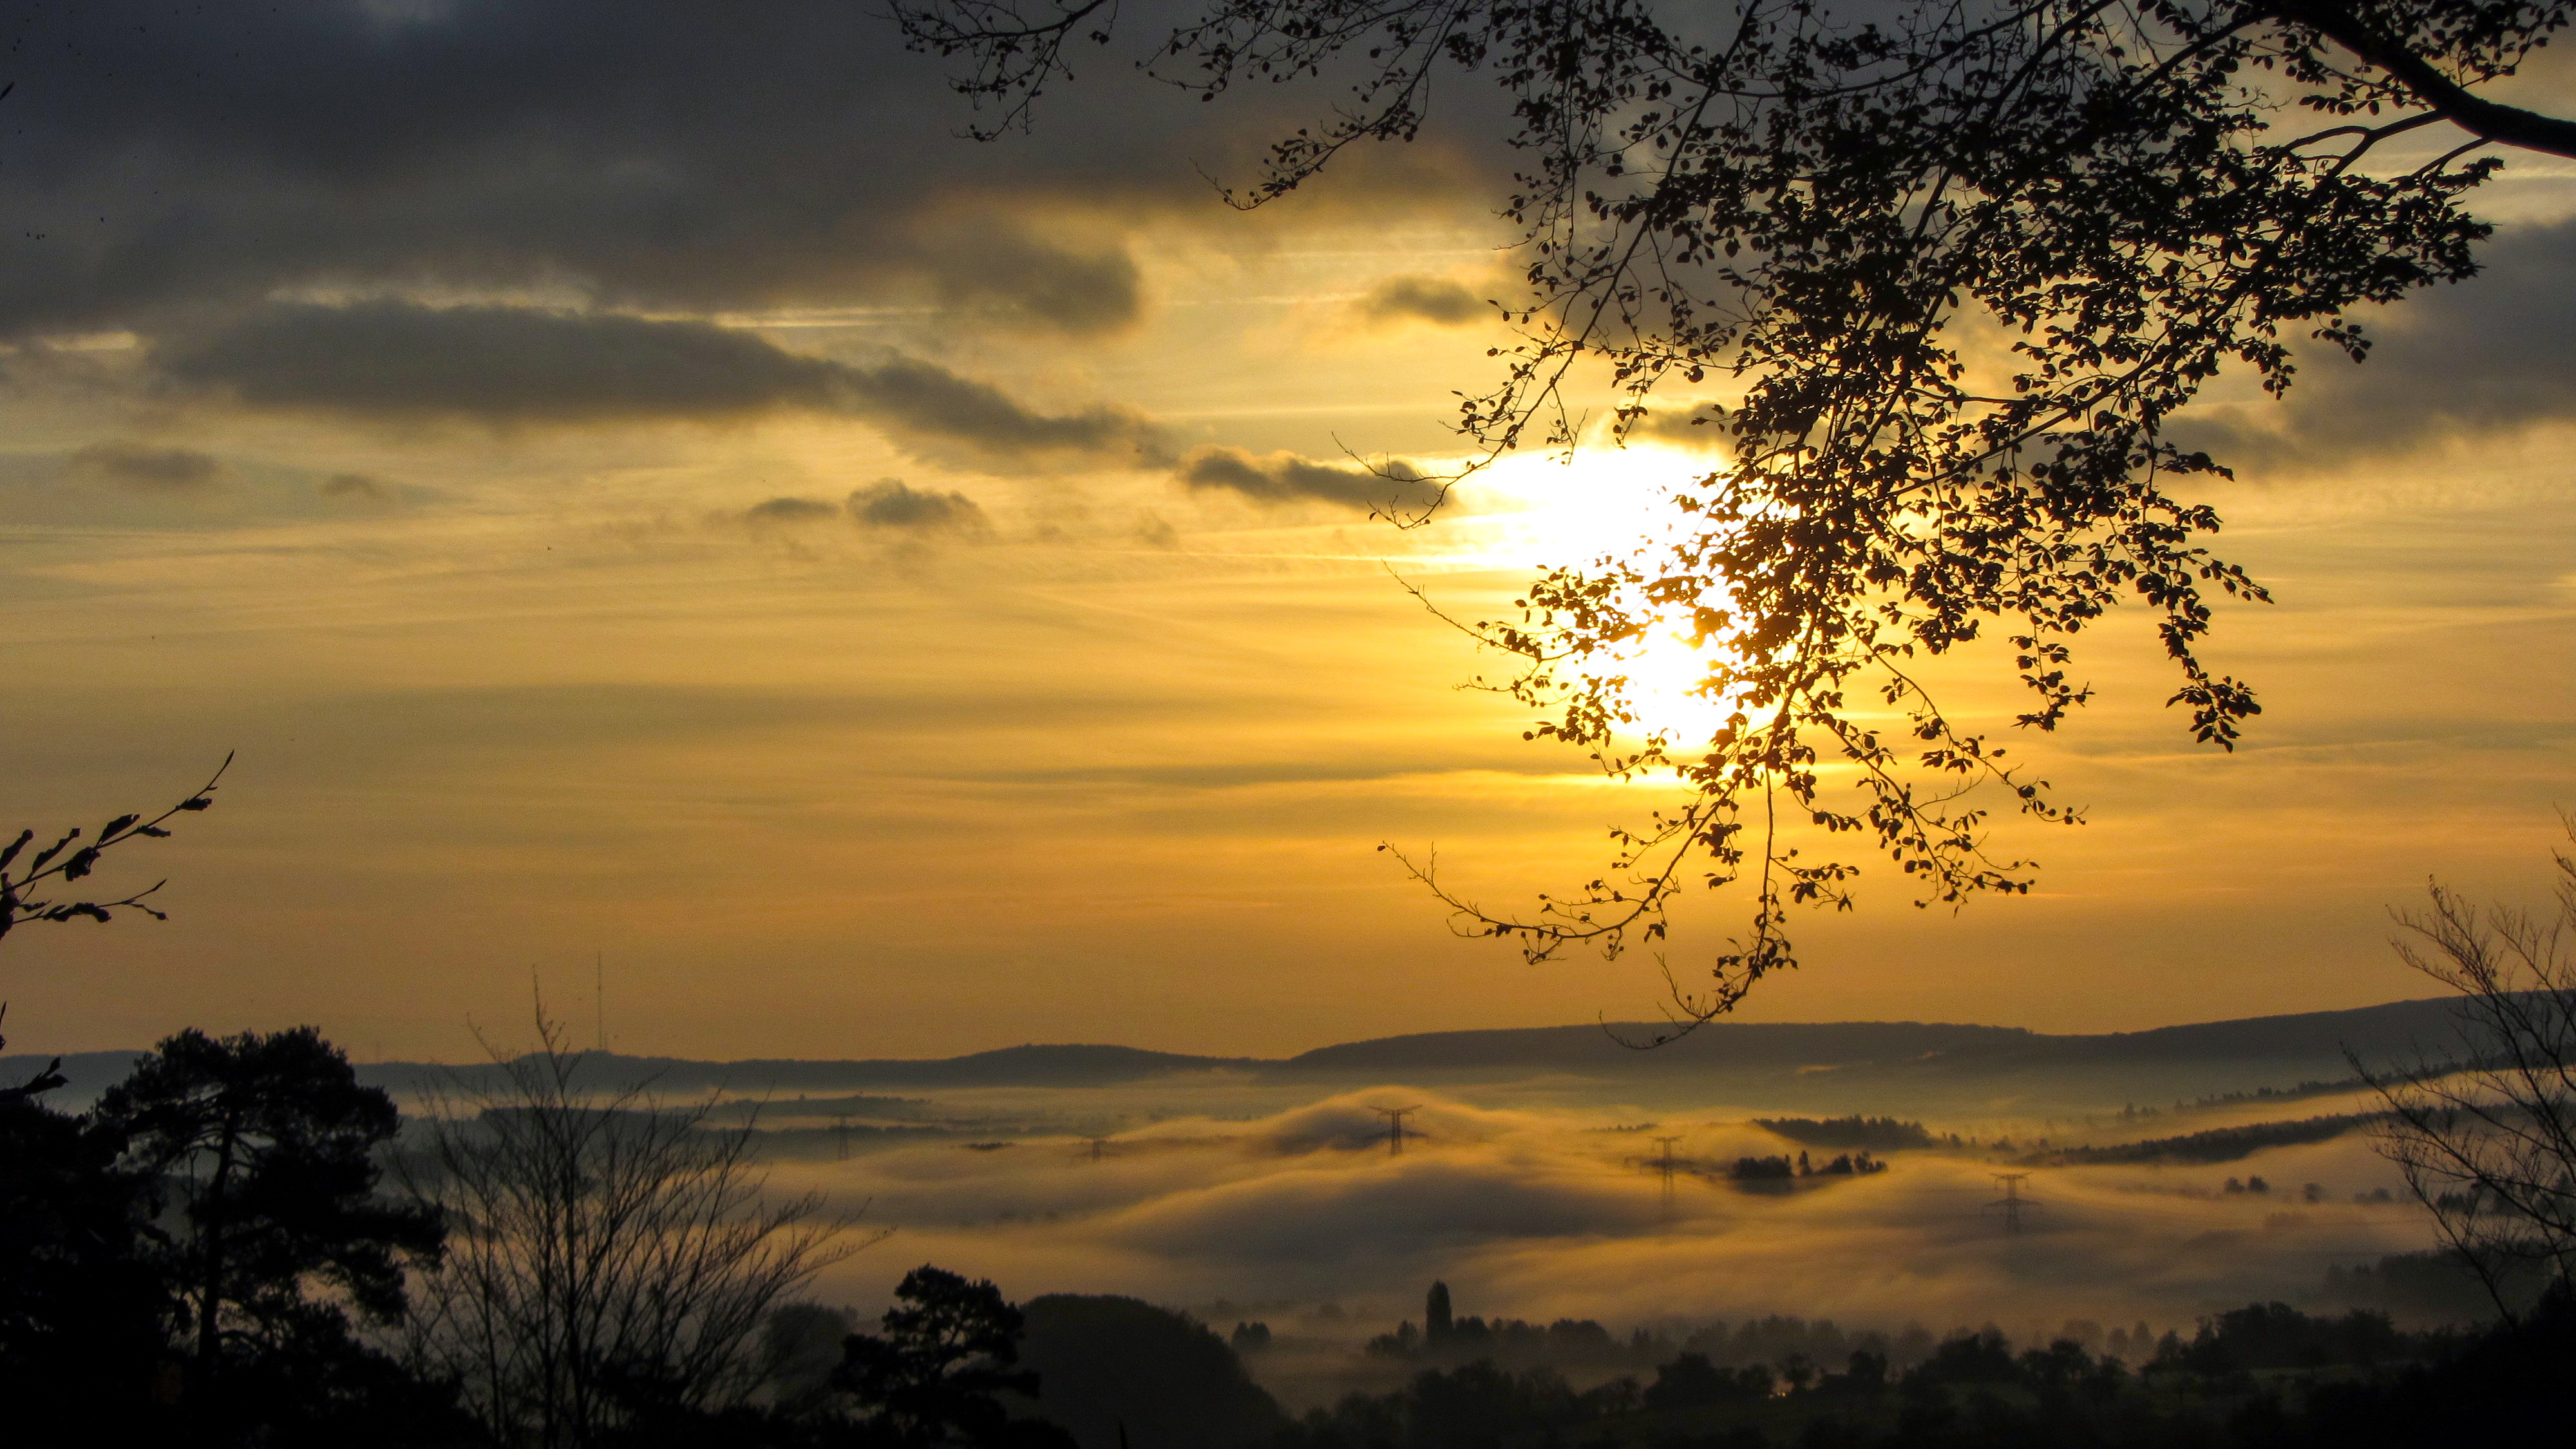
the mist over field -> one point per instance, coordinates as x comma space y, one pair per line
1547, 1213
1247, 1190
1531, 1176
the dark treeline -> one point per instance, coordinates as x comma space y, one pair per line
1568, 1343
1887, 1134
1784, 1169
242, 1244
236, 1246
1582, 1346
205, 1250
239, 1244
2221, 1144
2434, 1287
2261, 1376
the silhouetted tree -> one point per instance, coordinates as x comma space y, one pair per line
2487, 1138
1480, 1403
1984, 1357
1108, 1365
266, 1146
81, 1302
2509, 1385
2277, 1336
1867, 1372
83, 1326
800, 1347
1691, 1381
937, 1374
613, 1260
1952, 269
1436, 1317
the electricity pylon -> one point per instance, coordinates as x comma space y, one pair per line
2012, 1203
1395, 1127
1665, 1166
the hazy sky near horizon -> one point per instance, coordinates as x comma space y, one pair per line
628, 478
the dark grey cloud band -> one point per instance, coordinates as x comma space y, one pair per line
389, 360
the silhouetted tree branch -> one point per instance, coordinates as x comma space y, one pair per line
70, 859
2393, 48
2487, 1138
611, 1257
27, 884
935, 1377
1940, 275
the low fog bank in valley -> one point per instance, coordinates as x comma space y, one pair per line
1562, 1213
1257, 1192
2168, 1176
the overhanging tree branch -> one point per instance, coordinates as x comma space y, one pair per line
1833, 217
2491, 120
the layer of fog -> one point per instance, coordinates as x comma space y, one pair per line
1304, 1218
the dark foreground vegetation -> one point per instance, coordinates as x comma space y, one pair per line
2263, 1375
216, 1254
240, 1244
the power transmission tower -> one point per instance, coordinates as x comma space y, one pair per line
1665, 1165
1097, 1143
2012, 1204
841, 1132
1395, 1127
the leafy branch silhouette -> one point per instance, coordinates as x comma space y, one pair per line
35, 888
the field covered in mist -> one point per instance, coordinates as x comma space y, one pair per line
1541, 1212
1244, 1193
2172, 1175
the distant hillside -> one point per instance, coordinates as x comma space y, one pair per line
2397, 1028
2318, 1038
1019, 1066
1593, 1051
87, 1073
1943, 1070
1825, 1062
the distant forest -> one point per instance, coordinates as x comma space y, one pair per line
1886, 1134
2263, 1375
1116, 1372
2222, 1144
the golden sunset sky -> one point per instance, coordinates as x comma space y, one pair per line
630, 478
